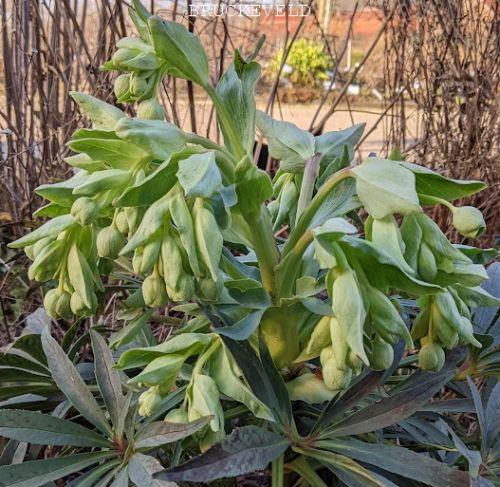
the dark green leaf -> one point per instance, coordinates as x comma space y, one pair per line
161, 432
400, 461
43, 429
242, 329
245, 450
108, 379
39, 472
355, 394
71, 384
347, 470
390, 410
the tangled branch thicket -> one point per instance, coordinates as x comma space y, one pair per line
445, 55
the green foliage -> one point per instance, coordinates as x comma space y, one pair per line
308, 60
277, 333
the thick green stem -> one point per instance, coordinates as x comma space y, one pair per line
265, 248
311, 171
287, 269
278, 472
309, 213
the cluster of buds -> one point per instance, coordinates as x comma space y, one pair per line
140, 67
69, 257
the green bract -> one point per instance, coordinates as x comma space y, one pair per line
191, 223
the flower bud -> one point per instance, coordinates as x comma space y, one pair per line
184, 289
50, 302
121, 222
150, 254
47, 261
335, 379
177, 416
149, 401
427, 266
382, 354
326, 355
150, 110
469, 221
138, 86
62, 306
339, 343
153, 291
319, 339
122, 55
109, 242
354, 362
210, 289
78, 306
309, 388
431, 357
85, 210
122, 86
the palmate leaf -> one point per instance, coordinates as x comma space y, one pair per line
138, 357
43, 429
71, 383
245, 450
39, 472
400, 461
155, 138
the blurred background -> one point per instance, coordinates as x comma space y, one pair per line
422, 74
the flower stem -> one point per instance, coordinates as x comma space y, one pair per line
311, 209
311, 171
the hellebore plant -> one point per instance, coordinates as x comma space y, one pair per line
304, 273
